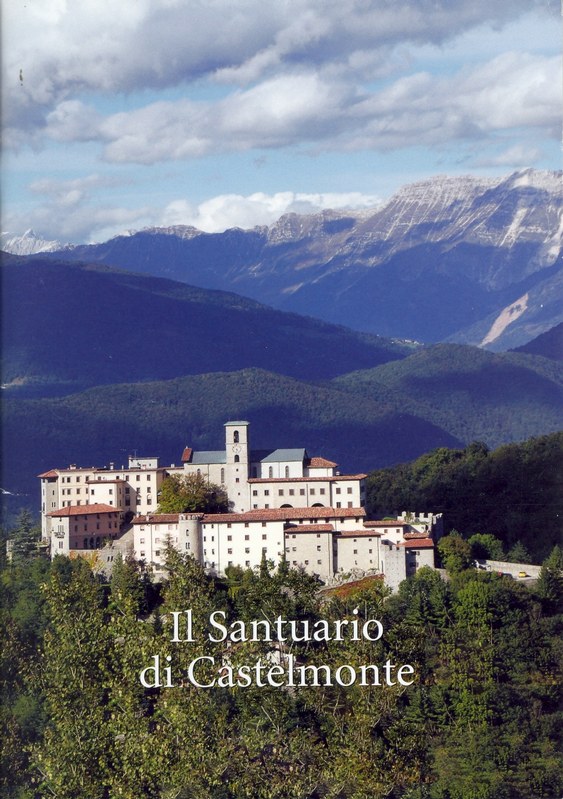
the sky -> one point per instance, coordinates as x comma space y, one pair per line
223, 113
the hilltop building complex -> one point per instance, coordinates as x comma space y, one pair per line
282, 502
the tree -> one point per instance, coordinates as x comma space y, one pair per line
486, 546
455, 552
193, 493
518, 554
25, 537
550, 582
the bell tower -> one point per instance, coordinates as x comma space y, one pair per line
237, 452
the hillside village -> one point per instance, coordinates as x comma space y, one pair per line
282, 503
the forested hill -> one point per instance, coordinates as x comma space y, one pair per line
514, 492
76, 325
548, 344
477, 720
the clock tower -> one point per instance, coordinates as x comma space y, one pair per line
237, 452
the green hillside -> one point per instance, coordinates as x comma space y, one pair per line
108, 423
471, 393
72, 326
514, 492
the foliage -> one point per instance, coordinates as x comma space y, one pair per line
455, 553
510, 494
480, 720
191, 492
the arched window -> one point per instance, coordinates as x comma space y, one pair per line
237, 458
318, 505
271, 471
287, 471
286, 506
236, 437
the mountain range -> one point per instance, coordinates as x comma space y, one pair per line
463, 259
99, 360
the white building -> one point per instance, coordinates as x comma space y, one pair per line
284, 504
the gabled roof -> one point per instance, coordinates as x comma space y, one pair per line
83, 510
418, 543
319, 463
50, 473
278, 455
211, 456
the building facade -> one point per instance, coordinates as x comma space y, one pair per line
283, 504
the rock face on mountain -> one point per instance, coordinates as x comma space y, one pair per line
463, 259
27, 244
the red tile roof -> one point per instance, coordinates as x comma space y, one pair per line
309, 528
317, 463
83, 510
360, 533
187, 454
420, 543
50, 473
285, 514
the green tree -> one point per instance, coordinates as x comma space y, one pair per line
485, 546
193, 493
550, 582
25, 537
518, 554
455, 552
73, 756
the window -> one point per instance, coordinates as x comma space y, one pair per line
339, 504
318, 549
270, 472
237, 458
287, 471
247, 563
137, 478
319, 562
321, 491
60, 544
230, 551
355, 552
280, 492
264, 536
349, 490
236, 437
302, 492
229, 537
247, 550
247, 537
254, 493
338, 490
237, 480
312, 491
246, 524
222, 475
266, 493
350, 504
291, 492
157, 553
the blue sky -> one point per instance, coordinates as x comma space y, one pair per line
231, 112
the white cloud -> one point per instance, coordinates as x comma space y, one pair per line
307, 109
74, 214
57, 51
234, 210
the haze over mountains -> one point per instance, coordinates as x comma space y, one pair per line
465, 259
